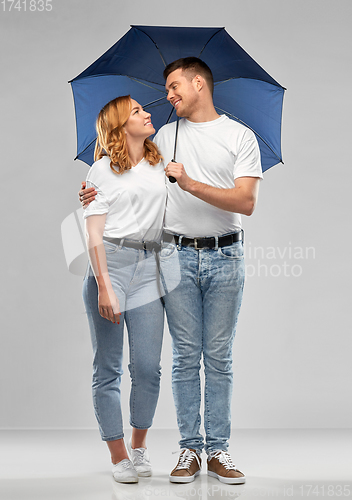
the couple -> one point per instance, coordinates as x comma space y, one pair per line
200, 266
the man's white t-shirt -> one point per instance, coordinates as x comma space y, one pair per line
215, 153
133, 201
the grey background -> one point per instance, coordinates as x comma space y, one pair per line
292, 351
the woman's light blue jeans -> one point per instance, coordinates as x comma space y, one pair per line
134, 279
202, 312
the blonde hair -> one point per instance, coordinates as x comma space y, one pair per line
111, 140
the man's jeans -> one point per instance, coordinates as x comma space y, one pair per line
202, 314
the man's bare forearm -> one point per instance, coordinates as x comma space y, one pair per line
241, 199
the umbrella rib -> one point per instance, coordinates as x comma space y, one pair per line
244, 78
153, 42
85, 149
143, 83
169, 117
209, 40
250, 128
153, 102
224, 81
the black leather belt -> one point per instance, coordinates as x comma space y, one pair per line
208, 242
137, 245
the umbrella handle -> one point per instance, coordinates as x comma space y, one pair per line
171, 178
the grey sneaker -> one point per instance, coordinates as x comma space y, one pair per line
124, 472
140, 459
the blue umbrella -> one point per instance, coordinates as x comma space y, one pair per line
134, 65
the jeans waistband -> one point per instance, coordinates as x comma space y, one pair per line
206, 242
137, 245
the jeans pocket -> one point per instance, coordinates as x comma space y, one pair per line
88, 271
167, 250
234, 251
110, 247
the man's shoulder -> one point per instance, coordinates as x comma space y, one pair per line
237, 131
235, 125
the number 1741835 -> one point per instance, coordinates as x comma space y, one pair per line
26, 5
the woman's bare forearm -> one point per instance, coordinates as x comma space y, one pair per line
96, 250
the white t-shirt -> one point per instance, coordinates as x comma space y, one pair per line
215, 153
133, 201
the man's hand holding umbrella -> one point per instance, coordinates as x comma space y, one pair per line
177, 170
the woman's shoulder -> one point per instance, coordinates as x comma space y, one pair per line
102, 163
100, 170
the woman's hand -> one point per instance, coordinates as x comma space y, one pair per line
109, 306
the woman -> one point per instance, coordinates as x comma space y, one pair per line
123, 228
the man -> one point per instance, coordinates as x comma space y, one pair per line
217, 172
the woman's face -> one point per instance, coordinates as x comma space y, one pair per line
139, 124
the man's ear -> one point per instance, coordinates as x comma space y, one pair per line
199, 82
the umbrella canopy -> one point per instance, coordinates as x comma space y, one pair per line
134, 65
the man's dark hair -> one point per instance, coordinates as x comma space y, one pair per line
194, 66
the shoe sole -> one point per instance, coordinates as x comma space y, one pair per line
144, 474
183, 479
127, 480
227, 480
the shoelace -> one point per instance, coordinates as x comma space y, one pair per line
225, 459
126, 464
139, 457
186, 458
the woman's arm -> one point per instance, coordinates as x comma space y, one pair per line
109, 307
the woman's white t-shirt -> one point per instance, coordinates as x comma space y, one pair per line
134, 202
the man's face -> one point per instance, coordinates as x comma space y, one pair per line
182, 93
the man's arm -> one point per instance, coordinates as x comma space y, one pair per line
241, 199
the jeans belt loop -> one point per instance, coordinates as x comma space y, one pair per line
179, 244
216, 243
120, 245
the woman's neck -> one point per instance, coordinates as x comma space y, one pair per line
135, 151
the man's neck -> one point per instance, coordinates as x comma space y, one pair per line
203, 115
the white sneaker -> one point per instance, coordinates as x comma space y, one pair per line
140, 459
124, 472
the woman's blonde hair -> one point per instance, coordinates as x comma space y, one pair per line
111, 140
